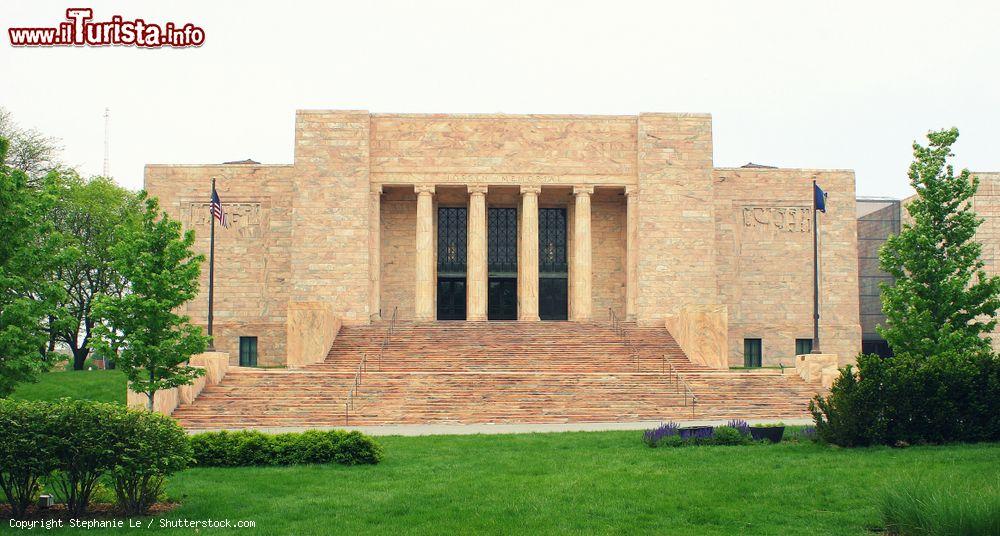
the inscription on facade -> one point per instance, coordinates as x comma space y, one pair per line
515, 179
246, 218
783, 219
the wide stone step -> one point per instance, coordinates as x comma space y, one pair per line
496, 372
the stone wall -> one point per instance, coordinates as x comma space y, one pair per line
764, 260
331, 226
565, 145
608, 237
702, 332
676, 264
399, 238
252, 268
311, 330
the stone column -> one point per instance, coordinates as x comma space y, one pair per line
631, 250
582, 277
476, 270
423, 299
527, 256
375, 252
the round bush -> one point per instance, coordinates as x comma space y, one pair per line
151, 446
27, 452
727, 435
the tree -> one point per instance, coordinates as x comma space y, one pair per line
27, 248
152, 341
30, 151
943, 384
942, 300
95, 215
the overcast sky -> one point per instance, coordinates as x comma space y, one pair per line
793, 84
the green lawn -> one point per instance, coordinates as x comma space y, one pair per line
99, 385
604, 482
597, 482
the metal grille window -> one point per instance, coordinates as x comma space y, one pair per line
452, 246
248, 351
803, 346
502, 240
752, 352
552, 241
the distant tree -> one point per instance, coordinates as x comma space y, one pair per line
942, 299
95, 215
30, 151
27, 249
152, 341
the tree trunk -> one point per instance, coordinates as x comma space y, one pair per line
80, 357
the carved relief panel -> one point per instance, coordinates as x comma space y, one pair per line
246, 218
777, 219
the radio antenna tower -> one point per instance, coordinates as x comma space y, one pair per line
107, 142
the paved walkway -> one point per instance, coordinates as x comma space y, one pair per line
467, 429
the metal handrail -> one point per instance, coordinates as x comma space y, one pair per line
679, 382
352, 393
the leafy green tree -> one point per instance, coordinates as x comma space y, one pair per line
152, 341
943, 384
27, 249
942, 300
95, 215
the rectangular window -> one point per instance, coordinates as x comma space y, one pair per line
248, 351
803, 346
752, 351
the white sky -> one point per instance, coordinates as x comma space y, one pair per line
794, 84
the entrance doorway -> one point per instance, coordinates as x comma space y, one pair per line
553, 267
451, 262
502, 262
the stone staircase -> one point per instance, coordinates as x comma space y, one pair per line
496, 372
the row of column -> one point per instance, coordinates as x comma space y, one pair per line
477, 276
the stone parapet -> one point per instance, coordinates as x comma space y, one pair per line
312, 328
216, 364
701, 331
818, 367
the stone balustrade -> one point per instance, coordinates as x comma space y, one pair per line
216, 364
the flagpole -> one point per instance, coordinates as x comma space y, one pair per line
815, 345
211, 275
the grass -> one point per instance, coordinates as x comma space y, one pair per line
99, 385
579, 482
596, 482
922, 507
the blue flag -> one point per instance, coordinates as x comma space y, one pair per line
819, 198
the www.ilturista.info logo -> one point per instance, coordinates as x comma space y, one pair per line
80, 30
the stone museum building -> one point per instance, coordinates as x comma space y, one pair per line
526, 218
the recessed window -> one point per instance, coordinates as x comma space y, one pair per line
803, 346
752, 352
248, 351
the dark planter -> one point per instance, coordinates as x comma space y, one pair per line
770, 433
695, 432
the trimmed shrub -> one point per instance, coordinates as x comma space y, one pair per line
84, 444
912, 399
727, 435
26, 452
250, 448
75, 443
915, 509
150, 447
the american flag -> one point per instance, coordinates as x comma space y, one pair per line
217, 211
